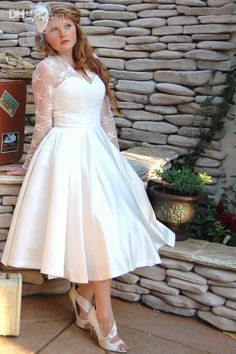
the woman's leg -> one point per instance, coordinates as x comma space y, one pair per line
102, 291
87, 292
104, 312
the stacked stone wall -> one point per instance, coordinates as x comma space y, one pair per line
165, 57
187, 284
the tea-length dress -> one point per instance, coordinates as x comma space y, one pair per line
82, 212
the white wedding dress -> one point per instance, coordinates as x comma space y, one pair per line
82, 212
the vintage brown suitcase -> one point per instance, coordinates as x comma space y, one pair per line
10, 303
12, 120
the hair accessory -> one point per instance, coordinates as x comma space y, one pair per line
40, 17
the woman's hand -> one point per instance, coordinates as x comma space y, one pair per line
13, 170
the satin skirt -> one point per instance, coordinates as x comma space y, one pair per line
83, 213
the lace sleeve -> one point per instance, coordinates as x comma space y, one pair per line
43, 86
108, 122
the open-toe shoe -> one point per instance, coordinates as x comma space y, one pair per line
107, 342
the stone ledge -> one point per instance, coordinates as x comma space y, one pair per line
146, 159
203, 252
16, 74
6, 179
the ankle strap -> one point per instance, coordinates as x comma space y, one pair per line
84, 303
113, 332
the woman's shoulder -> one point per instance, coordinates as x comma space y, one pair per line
46, 67
47, 62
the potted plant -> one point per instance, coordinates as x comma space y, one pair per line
173, 193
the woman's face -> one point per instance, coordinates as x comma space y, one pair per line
61, 35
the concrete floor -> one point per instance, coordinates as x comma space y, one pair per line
47, 328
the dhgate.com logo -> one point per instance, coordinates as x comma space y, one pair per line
29, 15
18, 14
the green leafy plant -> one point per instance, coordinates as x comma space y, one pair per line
182, 181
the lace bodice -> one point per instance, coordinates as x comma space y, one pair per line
63, 97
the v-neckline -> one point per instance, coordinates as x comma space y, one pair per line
89, 80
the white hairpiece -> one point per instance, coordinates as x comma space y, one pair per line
40, 17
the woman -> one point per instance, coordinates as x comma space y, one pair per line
96, 222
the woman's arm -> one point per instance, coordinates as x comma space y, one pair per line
43, 86
108, 122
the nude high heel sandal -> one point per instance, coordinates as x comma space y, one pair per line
84, 304
106, 342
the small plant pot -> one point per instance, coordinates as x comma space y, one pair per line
173, 210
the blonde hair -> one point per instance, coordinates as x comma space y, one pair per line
82, 52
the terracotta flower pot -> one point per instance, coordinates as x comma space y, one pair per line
173, 210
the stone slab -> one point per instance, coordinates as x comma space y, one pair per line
126, 96
209, 28
49, 287
156, 64
139, 87
188, 120
131, 75
154, 273
111, 63
158, 127
3, 234
159, 286
204, 54
169, 100
207, 298
176, 264
110, 15
7, 179
188, 276
107, 41
217, 19
214, 65
150, 22
185, 285
143, 136
132, 288
184, 47
127, 296
189, 78
5, 220
217, 321
161, 109
137, 115
166, 54
203, 252
217, 255
151, 158
128, 278
181, 301
182, 141
159, 304
231, 304
175, 89
228, 293
132, 31
225, 312
117, 53
28, 275
216, 274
